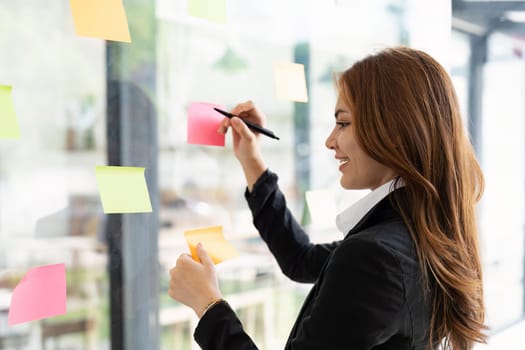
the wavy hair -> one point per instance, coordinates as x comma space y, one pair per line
407, 118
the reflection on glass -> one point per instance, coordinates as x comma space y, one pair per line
49, 208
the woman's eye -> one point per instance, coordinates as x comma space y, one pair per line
342, 124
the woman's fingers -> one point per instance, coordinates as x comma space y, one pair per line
194, 283
242, 110
223, 126
244, 107
249, 111
206, 260
242, 129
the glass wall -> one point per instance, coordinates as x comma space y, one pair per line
498, 133
232, 63
503, 206
50, 210
83, 102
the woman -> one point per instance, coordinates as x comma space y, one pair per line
407, 274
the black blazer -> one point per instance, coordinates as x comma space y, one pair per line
367, 292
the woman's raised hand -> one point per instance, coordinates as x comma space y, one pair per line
245, 141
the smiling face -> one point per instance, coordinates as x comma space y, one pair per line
358, 169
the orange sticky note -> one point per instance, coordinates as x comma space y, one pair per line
104, 19
290, 81
203, 123
40, 294
213, 241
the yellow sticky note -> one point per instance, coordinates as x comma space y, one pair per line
213, 241
211, 10
104, 19
123, 189
8, 123
290, 81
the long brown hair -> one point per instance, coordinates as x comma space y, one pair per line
407, 117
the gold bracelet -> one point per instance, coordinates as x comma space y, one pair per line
212, 304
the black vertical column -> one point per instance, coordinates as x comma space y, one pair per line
131, 123
132, 238
113, 231
478, 58
301, 120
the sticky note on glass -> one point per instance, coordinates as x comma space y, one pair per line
123, 189
40, 294
322, 208
290, 81
211, 10
8, 123
213, 241
203, 123
104, 19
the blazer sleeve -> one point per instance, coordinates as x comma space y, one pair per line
298, 259
220, 329
359, 303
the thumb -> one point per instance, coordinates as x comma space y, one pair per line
241, 128
203, 255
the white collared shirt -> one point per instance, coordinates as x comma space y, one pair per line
348, 218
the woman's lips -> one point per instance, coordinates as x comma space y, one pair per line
344, 162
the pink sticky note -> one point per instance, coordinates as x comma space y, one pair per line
203, 122
40, 294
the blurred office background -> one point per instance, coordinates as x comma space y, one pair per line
85, 102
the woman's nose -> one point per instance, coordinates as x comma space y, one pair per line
330, 141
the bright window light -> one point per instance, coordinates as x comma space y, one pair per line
515, 16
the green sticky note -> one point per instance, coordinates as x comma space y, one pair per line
123, 189
8, 123
211, 10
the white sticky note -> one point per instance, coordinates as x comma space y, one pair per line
322, 208
211, 10
290, 81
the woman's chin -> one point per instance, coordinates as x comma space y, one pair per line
347, 185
